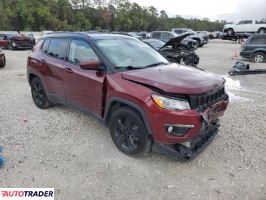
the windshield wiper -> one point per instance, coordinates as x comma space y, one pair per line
129, 67
155, 64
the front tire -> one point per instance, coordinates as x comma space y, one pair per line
258, 57
39, 95
129, 132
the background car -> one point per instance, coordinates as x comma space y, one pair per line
165, 36
2, 58
13, 41
255, 48
173, 53
202, 39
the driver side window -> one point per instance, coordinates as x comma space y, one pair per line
79, 51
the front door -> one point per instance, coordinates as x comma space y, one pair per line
83, 88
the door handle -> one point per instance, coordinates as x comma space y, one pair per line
43, 61
68, 70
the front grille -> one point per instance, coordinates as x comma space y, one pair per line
23, 43
202, 101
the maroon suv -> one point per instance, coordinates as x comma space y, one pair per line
147, 102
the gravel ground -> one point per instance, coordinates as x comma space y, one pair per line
73, 153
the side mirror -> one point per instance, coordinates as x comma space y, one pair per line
89, 65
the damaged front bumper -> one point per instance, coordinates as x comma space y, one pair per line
191, 148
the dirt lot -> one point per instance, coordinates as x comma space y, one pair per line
73, 153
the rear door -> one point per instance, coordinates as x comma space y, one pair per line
83, 88
53, 65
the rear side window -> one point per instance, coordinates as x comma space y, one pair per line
57, 48
258, 40
156, 35
45, 46
79, 51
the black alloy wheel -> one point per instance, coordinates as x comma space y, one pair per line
128, 132
38, 94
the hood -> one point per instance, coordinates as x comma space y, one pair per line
20, 38
176, 79
175, 41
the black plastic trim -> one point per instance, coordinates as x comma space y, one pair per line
130, 104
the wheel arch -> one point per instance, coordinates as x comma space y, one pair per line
263, 27
31, 77
117, 102
259, 51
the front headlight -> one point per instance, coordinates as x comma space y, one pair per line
14, 44
171, 104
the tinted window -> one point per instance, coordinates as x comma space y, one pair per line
58, 48
79, 51
246, 22
156, 35
45, 45
258, 40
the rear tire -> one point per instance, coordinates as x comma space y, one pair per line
4, 63
39, 95
262, 30
128, 132
259, 57
230, 32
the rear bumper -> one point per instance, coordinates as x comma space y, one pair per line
197, 145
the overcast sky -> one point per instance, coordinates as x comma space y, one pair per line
230, 10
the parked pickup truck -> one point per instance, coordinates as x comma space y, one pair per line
246, 26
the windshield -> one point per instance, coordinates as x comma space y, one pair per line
129, 52
10, 35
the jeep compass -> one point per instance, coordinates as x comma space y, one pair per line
147, 102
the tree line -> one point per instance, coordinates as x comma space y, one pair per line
84, 15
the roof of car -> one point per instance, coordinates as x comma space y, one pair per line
95, 36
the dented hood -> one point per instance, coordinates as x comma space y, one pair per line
176, 79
